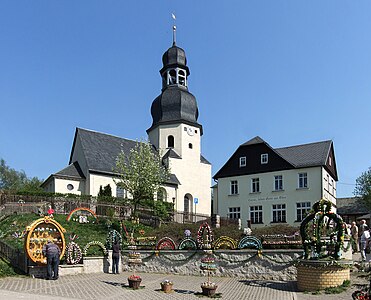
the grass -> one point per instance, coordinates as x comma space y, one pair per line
333, 290
6, 269
338, 289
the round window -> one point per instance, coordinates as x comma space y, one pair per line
69, 187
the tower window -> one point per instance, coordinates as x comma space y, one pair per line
182, 77
190, 145
170, 141
172, 77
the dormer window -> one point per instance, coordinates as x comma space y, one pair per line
170, 141
264, 158
242, 161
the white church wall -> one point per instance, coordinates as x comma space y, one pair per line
69, 186
97, 180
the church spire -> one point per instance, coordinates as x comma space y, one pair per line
174, 29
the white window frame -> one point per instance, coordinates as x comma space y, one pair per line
255, 185
264, 158
301, 209
234, 187
256, 214
234, 212
242, 161
279, 213
278, 183
303, 180
120, 191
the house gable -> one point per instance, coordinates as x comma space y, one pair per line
330, 165
253, 150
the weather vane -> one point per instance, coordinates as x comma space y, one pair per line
174, 29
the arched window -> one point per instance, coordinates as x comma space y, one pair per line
172, 77
190, 145
170, 141
161, 194
182, 77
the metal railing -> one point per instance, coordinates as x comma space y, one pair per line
17, 258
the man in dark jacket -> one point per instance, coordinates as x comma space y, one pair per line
52, 253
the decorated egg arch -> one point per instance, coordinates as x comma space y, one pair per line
39, 233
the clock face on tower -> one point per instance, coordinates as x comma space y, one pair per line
190, 131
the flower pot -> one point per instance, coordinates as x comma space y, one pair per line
208, 291
167, 287
134, 283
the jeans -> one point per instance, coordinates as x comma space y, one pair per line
363, 250
115, 265
52, 265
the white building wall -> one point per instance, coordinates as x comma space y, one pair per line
329, 187
60, 186
97, 180
290, 195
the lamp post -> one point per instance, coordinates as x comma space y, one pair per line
173, 208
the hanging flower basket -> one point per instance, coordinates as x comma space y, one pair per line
208, 289
167, 286
134, 281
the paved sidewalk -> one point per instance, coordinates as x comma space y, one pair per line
112, 287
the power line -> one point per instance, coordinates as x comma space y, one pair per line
344, 183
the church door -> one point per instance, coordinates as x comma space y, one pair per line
187, 206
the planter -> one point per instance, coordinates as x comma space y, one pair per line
134, 283
209, 291
167, 287
315, 275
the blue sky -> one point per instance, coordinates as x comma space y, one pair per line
291, 72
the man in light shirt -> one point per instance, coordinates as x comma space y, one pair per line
365, 237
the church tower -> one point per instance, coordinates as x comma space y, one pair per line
176, 133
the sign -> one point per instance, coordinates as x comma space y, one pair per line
195, 200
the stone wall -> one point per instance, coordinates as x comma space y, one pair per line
271, 264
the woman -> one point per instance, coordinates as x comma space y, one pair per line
115, 257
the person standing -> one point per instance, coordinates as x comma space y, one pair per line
52, 253
365, 237
116, 251
354, 235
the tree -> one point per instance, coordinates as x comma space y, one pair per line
141, 173
13, 180
363, 188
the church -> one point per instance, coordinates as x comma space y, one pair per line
175, 133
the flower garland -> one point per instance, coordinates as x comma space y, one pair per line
209, 236
74, 253
321, 218
112, 237
79, 210
250, 242
166, 243
225, 242
187, 244
95, 243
